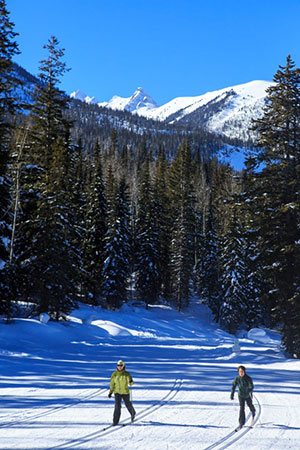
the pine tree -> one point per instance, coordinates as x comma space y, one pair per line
181, 197
79, 174
291, 332
113, 149
93, 242
45, 249
50, 103
116, 270
162, 215
277, 185
257, 286
55, 256
207, 269
148, 280
234, 291
222, 188
8, 106
256, 314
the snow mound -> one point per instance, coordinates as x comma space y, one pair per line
113, 329
44, 317
259, 335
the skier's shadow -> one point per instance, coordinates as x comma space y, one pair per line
165, 424
277, 425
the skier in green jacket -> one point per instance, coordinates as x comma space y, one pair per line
119, 382
245, 384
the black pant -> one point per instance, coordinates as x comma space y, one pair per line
242, 401
118, 401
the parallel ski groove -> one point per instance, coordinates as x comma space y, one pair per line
218, 445
110, 429
52, 410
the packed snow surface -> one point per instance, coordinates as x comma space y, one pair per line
55, 380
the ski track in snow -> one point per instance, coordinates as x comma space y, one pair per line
111, 429
233, 436
27, 415
54, 389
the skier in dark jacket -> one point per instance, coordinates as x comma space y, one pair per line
119, 382
245, 384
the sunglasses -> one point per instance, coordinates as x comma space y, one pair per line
120, 365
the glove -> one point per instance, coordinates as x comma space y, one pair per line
232, 396
109, 395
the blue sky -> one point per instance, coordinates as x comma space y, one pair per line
170, 48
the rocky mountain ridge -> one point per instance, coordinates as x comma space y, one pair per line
227, 112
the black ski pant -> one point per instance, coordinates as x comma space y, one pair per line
128, 404
242, 401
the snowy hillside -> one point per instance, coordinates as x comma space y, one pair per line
227, 112
25, 91
55, 379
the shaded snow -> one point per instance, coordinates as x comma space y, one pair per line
55, 380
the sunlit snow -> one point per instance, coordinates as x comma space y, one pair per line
55, 380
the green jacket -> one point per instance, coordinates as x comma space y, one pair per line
245, 385
119, 382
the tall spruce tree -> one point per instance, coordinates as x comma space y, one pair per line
277, 205
234, 290
95, 231
80, 176
46, 254
257, 313
207, 269
181, 197
148, 280
116, 270
8, 106
222, 187
162, 215
55, 256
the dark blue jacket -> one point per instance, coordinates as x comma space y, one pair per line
245, 385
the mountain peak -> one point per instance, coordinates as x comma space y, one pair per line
140, 99
80, 95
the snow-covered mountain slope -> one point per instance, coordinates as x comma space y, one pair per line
139, 101
227, 111
244, 95
24, 92
80, 95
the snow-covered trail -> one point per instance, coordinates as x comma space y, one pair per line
54, 389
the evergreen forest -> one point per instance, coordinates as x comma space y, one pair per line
96, 213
